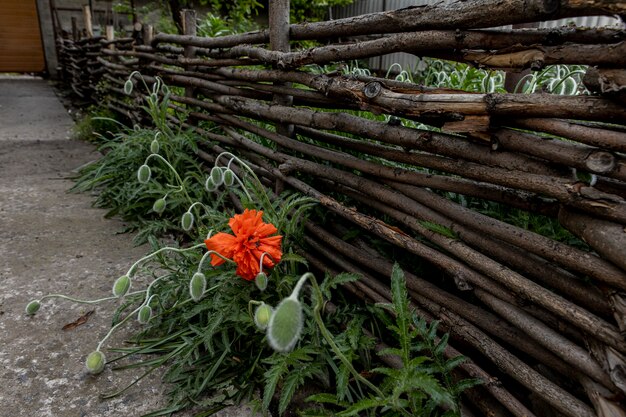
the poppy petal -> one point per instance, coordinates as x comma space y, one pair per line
222, 243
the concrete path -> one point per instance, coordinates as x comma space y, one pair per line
55, 242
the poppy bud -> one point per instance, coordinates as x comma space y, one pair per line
229, 177
33, 307
262, 316
186, 221
95, 362
217, 176
197, 286
210, 185
285, 325
159, 206
144, 315
128, 87
143, 174
261, 281
154, 146
121, 286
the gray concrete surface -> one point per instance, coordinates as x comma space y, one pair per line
55, 242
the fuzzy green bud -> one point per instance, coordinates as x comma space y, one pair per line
197, 286
210, 185
229, 177
128, 87
262, 316
217, 176
154, 146
159, 205
283, 330
186, 221
121, 286
33, 307
261, 281
143, 174
144, 315
95, 362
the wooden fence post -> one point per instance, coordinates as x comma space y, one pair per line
279, 41
148, 34
75, 34
87, 19
279, 25
110, 35
188, 17
512, 77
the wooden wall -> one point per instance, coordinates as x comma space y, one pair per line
20, 38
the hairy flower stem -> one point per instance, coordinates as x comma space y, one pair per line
197, 203
212, 252
131, 270
267, 202
255, 303
317, 314
76, 300
148, 297
135, 311
114, 328
263, 255
180, 181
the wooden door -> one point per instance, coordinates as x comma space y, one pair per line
21, 48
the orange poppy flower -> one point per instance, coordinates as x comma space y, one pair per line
251, 239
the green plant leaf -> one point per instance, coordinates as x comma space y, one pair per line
325, 398
361, 405
441, 346
428, 384
332, 282
400, 301
450, 364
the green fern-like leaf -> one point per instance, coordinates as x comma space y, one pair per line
419, 381
450, 364
441, 346
461, 386
280, 364
272, 378
400, 301
437, 228
390, 352
359, 406
332, 282
354, 333
298, 376
294, 257
325, 398
342, 381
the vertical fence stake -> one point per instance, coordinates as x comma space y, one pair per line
110, 35
279, 41
148, 34
512, 77
188, 17
75, 35
87, 19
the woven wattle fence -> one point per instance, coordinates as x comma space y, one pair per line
541, 321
